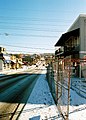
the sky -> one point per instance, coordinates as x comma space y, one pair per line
34, 26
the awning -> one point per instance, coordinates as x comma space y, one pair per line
66, 36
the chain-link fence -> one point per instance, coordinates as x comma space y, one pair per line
63, 74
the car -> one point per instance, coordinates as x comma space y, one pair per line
36, 65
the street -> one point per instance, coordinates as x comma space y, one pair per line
15, 89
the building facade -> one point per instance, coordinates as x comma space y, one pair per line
73, 43
9, 61
4, 59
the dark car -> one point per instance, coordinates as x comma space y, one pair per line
36, 65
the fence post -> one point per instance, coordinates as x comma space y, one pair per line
68, 92
57, 66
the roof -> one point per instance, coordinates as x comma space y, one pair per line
66, 36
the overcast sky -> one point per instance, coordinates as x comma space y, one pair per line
34, 26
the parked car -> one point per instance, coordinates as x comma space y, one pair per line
36, 65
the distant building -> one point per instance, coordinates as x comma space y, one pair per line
13, 62
9, 61
16, 62
4, 59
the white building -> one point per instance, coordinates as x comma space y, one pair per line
4, 59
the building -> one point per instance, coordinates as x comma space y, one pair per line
9, 61
4, 59
16, 62
72, 44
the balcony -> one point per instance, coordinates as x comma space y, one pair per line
70, 48
67, 50
60, 51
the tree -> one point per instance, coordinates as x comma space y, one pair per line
28, 59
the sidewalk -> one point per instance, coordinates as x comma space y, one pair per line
40, 105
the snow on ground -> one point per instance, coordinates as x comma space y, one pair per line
76, 99
77, 107
40, 105
10, 71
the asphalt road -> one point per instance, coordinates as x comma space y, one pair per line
14, 91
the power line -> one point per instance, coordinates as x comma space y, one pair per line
26, 47
31, 29
34, 19
27, 35
20, 51
38, 10
27, 52
33, 24
30, 43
